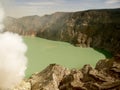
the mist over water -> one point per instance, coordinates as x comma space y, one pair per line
13, 61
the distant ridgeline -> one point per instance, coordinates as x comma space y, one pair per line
95, 28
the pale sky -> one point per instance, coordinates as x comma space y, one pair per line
19, 8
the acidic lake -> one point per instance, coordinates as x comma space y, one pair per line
42, 52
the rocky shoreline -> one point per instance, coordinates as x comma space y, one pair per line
105, 76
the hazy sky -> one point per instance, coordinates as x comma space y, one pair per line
19, 8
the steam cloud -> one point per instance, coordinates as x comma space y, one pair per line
12, 57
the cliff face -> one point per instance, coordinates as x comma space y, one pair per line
95, 28
98, 29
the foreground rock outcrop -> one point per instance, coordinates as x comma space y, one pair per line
105, 76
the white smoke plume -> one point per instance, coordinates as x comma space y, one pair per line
12, 57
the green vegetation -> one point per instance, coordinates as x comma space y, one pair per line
42, 52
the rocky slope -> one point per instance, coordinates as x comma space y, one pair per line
105, 76
95, 28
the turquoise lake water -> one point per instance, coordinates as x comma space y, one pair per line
42, 52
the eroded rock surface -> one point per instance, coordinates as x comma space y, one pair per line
105, 76
49, 78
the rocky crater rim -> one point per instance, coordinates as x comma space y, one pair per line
92, 28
